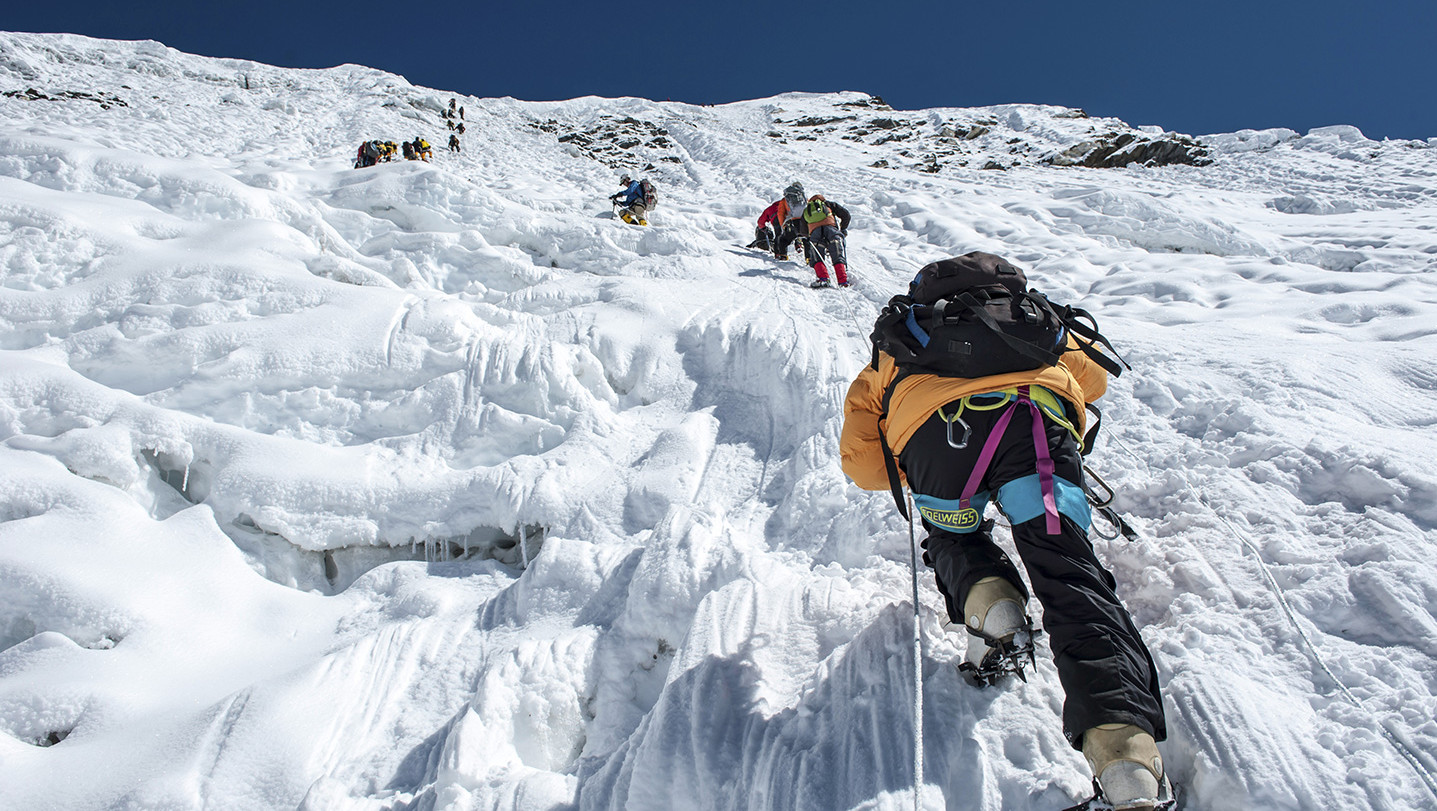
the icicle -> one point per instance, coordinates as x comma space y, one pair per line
185, 482
523, 544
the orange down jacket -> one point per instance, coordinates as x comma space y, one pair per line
1075, 379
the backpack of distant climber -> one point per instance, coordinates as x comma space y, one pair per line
816, 211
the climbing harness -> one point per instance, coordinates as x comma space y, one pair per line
1023, 394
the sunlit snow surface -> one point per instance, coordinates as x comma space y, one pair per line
279, 437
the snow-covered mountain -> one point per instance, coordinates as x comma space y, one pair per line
436, 486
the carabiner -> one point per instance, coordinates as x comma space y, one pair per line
967, 431
1093, 497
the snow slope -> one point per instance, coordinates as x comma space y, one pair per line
436, 486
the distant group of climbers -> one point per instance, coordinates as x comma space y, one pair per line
455, 129
818, 224
372, 152
419, 149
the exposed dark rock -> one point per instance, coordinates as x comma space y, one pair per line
1115, 150
814, 121
105, 100
872, 102
969, 133
994, 165
614, 141
885, 124
1076, 112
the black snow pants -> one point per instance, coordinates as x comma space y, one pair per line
828, 240
1107, 674
763, 238
794, 230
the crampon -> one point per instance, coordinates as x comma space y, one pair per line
1002, 659
1166, 801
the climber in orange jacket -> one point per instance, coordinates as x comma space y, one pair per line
1012, 437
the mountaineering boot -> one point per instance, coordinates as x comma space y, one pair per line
1000, 635
1127, 767
643, 221
626, 217
840, 271
821, 284
994, 609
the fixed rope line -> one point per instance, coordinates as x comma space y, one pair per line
1423, 773
917, 669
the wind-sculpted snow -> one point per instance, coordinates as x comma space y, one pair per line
435, 486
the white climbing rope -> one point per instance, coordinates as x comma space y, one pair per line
917, 669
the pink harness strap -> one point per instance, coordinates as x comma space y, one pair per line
1046, 466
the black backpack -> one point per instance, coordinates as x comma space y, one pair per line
974, 316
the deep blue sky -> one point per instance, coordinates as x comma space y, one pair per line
1195, 66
